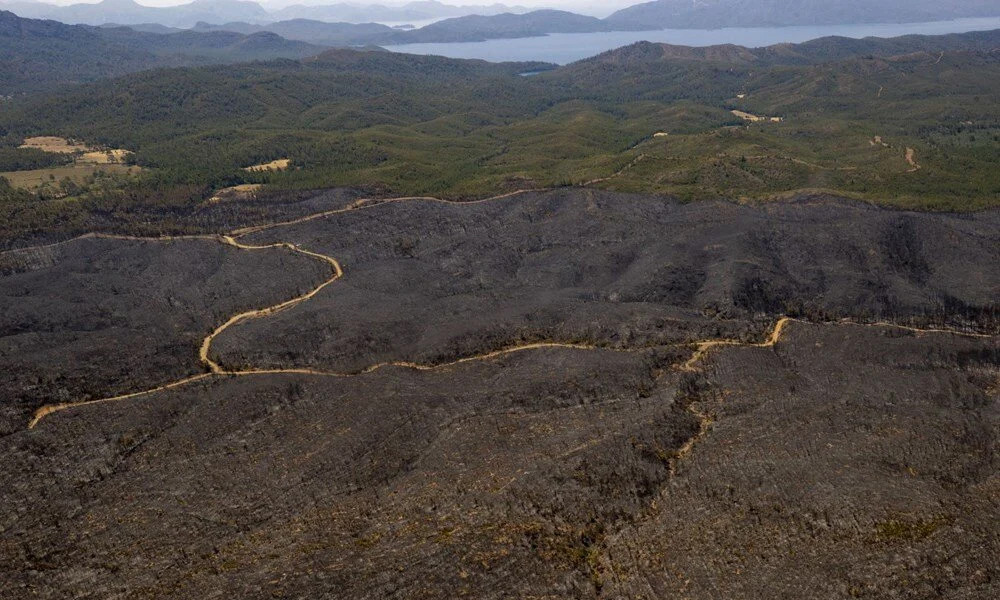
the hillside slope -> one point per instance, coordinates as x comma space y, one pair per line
306, 30
916, 129
37, 55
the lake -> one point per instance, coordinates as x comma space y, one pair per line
565, 48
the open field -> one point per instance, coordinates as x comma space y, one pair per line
83, 152
78, 166
755, 118
274, 165
78, 173
243, 191
104, 157
51, 143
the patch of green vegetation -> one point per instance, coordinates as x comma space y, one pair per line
909, 529
24, 159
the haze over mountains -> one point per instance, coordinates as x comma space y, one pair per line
129, 12
709, 14
473, 23
40, 54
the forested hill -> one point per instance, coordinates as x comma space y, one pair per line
908, 122
816, 51
37, 55
478, 28
314, 32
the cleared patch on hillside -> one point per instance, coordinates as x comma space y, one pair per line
275, 165
105, 157
244, 191
755, 118
77, 173
51, 143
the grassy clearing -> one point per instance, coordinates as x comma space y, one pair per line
755, 118
83, 153
275, 165
51, 143
114, 156
236, 192
77, 173
75, 164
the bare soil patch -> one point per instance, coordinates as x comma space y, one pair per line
51, 143
76, 172
244, 191
275, 165
755, 118
104, 157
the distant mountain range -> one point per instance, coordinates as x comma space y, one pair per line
711, 14
413, 11
477, 28
349, 24
460, 29
37, 55
129, 12
314, 32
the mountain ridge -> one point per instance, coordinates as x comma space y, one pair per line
715, 14
41, 54
129, 12
475, 23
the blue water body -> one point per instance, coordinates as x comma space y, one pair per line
565, 48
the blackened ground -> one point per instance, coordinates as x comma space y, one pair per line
846, 462
429, 282
847, 459
97, 317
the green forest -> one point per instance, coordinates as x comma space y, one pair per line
912, 122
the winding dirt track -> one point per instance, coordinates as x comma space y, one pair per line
205, 349
691, 366
214, 369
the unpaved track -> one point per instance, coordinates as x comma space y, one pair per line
365, 203
337, 272
691, 366
704, 348
618, 173
214, 369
